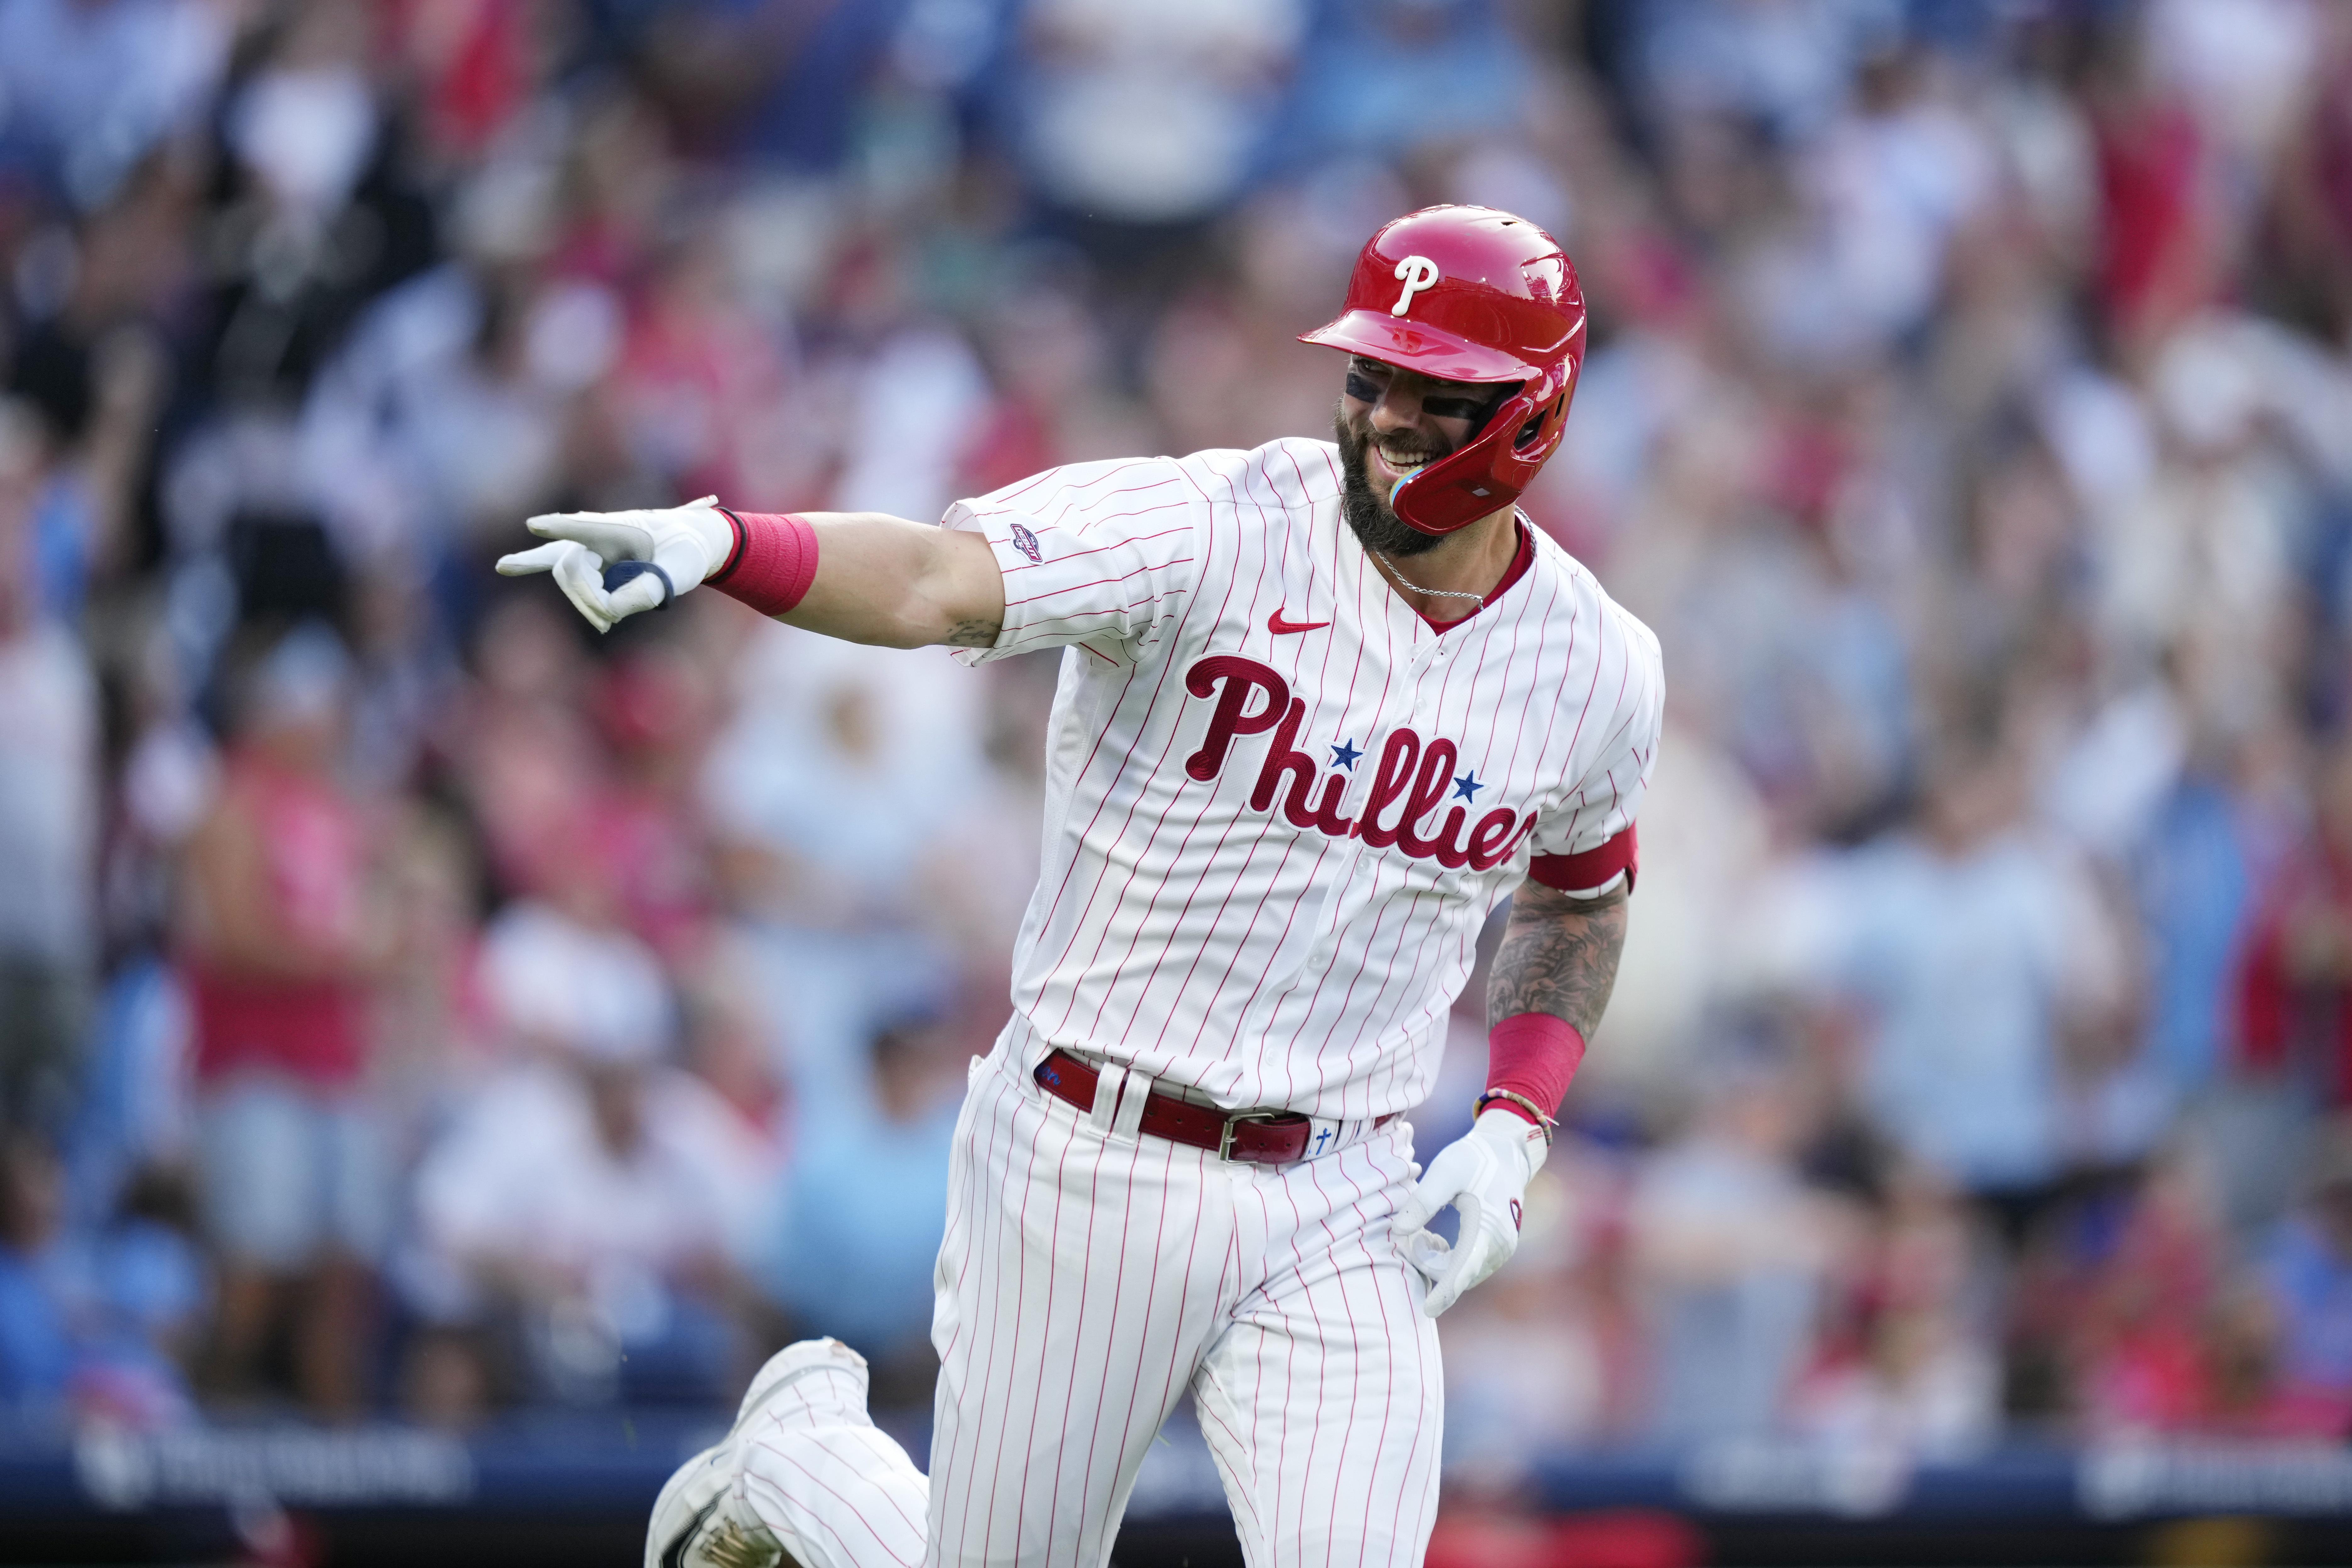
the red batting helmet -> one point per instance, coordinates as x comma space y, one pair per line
1470, 294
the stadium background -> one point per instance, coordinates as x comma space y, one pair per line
1961, 1168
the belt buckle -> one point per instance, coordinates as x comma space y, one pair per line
1225, 1140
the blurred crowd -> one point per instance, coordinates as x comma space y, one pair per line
411, 1003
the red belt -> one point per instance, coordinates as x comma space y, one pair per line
1252, 1137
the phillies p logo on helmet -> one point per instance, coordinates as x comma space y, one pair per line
1416, 273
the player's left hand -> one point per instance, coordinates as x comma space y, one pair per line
1484, 1174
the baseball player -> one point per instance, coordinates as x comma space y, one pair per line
1323, 705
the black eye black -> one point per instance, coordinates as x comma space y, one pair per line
1453, 408
1362, 387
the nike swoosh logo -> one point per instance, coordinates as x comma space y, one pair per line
1282, 629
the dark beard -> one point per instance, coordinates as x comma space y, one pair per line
1376, 527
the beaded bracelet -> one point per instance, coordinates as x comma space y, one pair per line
1535, 1112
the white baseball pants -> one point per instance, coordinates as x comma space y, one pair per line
1090, 1276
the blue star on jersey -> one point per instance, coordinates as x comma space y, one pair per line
1344, 756
1467, 786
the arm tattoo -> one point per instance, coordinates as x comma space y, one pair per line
973, 633
1559, 956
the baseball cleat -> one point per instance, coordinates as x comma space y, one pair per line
693, 1524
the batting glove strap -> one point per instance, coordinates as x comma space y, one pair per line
1484, 1177
619, 576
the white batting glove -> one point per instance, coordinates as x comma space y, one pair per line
1484, 1174
687, 544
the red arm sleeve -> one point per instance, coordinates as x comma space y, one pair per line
1592, 871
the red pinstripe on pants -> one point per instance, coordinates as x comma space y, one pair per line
1089, 1279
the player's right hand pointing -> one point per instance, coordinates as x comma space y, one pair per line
681, 544
1484, 1174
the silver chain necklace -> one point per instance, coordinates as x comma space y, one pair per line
1404, 581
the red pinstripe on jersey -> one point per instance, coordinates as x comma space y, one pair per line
1268, 857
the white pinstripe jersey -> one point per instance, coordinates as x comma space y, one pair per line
1279, 803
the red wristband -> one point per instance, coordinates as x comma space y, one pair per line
772, 564
1533, 1054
